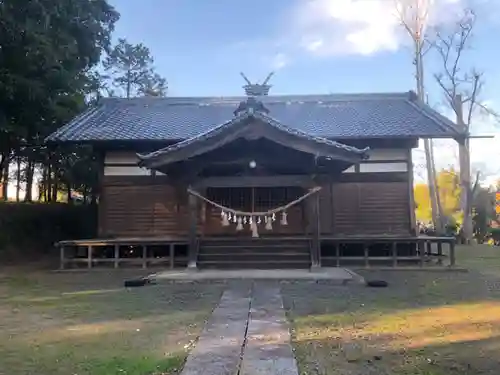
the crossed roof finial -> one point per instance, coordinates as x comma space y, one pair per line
257, 89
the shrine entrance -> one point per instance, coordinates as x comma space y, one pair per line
254, 199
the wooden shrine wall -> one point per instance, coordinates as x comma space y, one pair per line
372, 198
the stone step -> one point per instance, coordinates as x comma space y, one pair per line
231, 264
249, 257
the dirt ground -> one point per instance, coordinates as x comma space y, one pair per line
88, 324
424, 323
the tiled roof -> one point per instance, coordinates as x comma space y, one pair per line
248, 114
329, 116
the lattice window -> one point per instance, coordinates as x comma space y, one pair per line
254, 199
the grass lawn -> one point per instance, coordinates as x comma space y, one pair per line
81, 323
424, 323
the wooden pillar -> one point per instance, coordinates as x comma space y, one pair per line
171, 255
394, 254
421, 249
117, 255
193, 245
144, 256
314, 226
337, 254
61, 257
452, 253
440, 253
89, 256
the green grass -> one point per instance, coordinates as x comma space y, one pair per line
424, 323
88, 324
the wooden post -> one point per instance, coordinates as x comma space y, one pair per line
61, 257
314, 225
337, 254
394, 254
440, 253
144, 256
452, 253
171, 255
89, 256
421, 249
117, 256
192, 258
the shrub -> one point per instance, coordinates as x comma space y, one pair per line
35, 227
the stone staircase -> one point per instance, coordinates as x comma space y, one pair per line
254, 253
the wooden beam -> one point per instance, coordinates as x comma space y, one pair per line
256, 181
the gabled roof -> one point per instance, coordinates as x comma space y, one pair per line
252, 124
330, 116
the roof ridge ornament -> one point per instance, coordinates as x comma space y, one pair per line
257, 89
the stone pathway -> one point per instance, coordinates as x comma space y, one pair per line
246, 335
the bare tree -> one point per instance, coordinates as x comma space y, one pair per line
414, 17
462, 89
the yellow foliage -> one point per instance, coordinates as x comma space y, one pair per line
448, 183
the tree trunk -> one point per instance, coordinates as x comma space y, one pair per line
30, 171
42, 194
68, 193
429, 161
55, 186
48, 182
5, 181
18, 179
128, 84
465, 173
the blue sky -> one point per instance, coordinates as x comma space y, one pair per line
314, 46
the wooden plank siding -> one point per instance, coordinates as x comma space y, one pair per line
375, 201
145, 209
357, 208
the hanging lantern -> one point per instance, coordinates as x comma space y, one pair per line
274, 217
235, 219
229, 217
259, 220
244, 220
222, 213
284, 220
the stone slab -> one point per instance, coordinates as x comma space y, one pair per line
338, 276
218, 350
268, 350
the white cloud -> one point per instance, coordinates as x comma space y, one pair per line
330, 27
279, 61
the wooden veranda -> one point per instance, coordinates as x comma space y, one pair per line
141, 252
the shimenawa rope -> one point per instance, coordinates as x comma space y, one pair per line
259, 213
